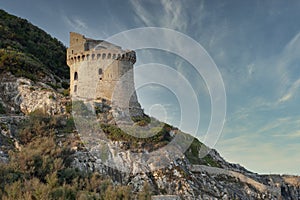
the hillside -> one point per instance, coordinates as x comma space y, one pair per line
42, 155
26, 50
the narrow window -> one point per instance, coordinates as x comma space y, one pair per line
100, 71
75, 88
103, 56
108, 56
75, 76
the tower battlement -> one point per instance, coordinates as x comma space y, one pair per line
82, 48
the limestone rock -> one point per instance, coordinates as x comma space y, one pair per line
21, 95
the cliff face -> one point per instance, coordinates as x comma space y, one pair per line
23, 96
183, 180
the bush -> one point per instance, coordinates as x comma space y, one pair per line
192, 153
21, 64
145, 194
65, 85
69, 108
66, 92
161, 138
55, 87
2, 109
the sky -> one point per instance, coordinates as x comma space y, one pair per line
255, 45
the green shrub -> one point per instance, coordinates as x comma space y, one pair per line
66, 92
69, 107
52, 97
2, 109
53, 85
161, 138
192, 154
65, 85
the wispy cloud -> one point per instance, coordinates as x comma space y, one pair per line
291, 92
141, 12
286, 68
172, 14
292, 135
76, 24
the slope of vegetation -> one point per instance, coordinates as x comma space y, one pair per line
136, 139
21, 65
41, 169
20, 38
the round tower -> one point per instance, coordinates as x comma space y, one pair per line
96, 66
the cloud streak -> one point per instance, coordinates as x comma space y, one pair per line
76, 23
172, 14
291, 92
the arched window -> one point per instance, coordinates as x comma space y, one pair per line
98, 55
93, 56
108, 56
75, 76
103, 56
100, 72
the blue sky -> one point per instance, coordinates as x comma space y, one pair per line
255, 44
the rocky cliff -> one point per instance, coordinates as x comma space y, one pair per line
184, 180
22, 96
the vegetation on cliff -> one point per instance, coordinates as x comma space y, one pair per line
41, 168
25, 45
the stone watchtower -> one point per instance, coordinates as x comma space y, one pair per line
96, 67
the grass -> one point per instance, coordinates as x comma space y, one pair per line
150, 143
192, 155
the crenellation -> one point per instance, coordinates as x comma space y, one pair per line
101, 54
